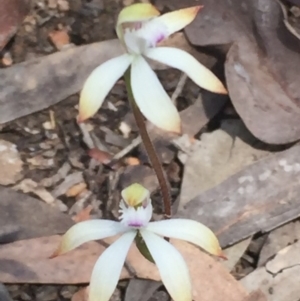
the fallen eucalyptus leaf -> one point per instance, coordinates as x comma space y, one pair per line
12, 14
141, 290
22, 217
44, 81
259, 198
217, 156
11, 165
279, 279
279, 239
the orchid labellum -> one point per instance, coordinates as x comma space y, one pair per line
140, 28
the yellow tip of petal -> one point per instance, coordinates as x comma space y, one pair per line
82, 117
86, 108
178, 129
57, 252
222, 255
135, 194
178, 19
79, 119
220, 89
213, 247
173, 126
137, 12
190, 13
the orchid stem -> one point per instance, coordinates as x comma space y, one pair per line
157, 166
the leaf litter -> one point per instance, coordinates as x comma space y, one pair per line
209, 276
96, 192
261, 65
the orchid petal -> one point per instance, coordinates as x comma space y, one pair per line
107, 270
151, 98
135, 194
171, 265
188, 230
185, 62
99, 83
135, 13
87, 231
178, 19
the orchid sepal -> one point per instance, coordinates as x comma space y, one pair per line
99, 83
176, 20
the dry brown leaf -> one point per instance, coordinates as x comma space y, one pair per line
251, 201
141, 290
61, 174
217, 156
254, 296
279, 278
141, 174
83, 215
30, 186
81, 295
11, 164
12, 13
22, 217
76, 189
132, 161
295, 2
100, 155
68, 182
70, 68
279, 239
59, 38
18, 265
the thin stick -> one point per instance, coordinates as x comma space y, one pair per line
157, 166
135, 142
179, 87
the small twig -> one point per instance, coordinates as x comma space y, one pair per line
86, 135
98, 143
52, 119
179, 87
90, 139
157, 166
135, 142
113, 180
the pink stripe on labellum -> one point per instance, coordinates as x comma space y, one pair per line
160, 38
135, 224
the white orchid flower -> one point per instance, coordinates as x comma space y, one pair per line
135, 215
140, 29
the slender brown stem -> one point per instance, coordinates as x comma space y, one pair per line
157, 166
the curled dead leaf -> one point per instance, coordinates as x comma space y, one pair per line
99, 155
